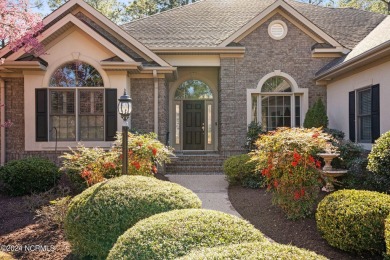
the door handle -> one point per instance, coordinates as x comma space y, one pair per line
203, 127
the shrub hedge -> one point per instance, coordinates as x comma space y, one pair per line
29, 175
99, 215
353, 220
239, 169
379, 157
175, 233
255, 250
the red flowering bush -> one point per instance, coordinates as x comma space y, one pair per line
286, 158
93, 165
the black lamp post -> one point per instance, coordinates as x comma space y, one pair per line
124, 109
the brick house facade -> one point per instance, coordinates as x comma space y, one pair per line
197, 87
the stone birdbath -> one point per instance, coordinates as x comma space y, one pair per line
328, 172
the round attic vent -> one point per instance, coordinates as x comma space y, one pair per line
277, 29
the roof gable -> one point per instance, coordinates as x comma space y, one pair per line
209, 23
119, 41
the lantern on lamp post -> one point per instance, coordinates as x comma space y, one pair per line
124, 109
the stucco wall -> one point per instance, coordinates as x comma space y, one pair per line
263, 55
337, 93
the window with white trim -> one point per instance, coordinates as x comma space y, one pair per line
276, 105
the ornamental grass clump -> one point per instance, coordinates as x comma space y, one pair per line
256, 250
173, 234
287, 159
93, 165
354, 220
100, 214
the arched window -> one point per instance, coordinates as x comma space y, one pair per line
76, 97
276, 105
193, 89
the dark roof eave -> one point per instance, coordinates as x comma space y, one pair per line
360, 60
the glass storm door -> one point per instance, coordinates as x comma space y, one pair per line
193, 125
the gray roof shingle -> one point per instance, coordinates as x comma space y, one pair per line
207, 23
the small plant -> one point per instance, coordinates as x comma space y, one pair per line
54, 213
30, 175
354, 220
101, 213
239, 169
349, 152
387, 237
254, 132
286, 159
316, 116
379, 157
173, 234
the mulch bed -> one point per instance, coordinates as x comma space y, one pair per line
255, 205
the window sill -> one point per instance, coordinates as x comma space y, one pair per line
61, 146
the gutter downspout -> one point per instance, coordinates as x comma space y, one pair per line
2, 122
155, 101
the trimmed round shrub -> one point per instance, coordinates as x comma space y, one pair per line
379, 157
239, 169
256, 250
101, 213
29, 175
175, 233
387, 236
354, 220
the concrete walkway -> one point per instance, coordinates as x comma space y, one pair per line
211, 189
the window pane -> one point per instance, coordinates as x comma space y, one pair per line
62, 128
365, 128
254, 108
276, 84
365, 102
62, 120
76, 74
193, 89
297, 111
275, 112
91, 128
62, 102
91, 101
364, 115
209, 140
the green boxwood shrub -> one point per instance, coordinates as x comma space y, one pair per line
100, 214
29, 175
353, 220
379, 157
316, 116
387, 236
255, 250
175, 233
239, 169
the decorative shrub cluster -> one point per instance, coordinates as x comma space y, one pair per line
94, 165
354, 220
239, 169
387, 236
26, 176
255, 250
175, 233
99, 215
379, 157
349, 152
286, 158
254, 131
316, 116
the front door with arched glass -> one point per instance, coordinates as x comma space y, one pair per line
193, 116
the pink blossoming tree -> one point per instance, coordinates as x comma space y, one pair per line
19, 26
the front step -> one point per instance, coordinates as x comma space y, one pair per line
196, 162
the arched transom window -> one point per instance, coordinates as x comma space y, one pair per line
193, 89
276, 105
76, 97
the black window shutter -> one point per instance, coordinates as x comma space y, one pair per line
375, 124
41, 116
352, 124
111, 114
